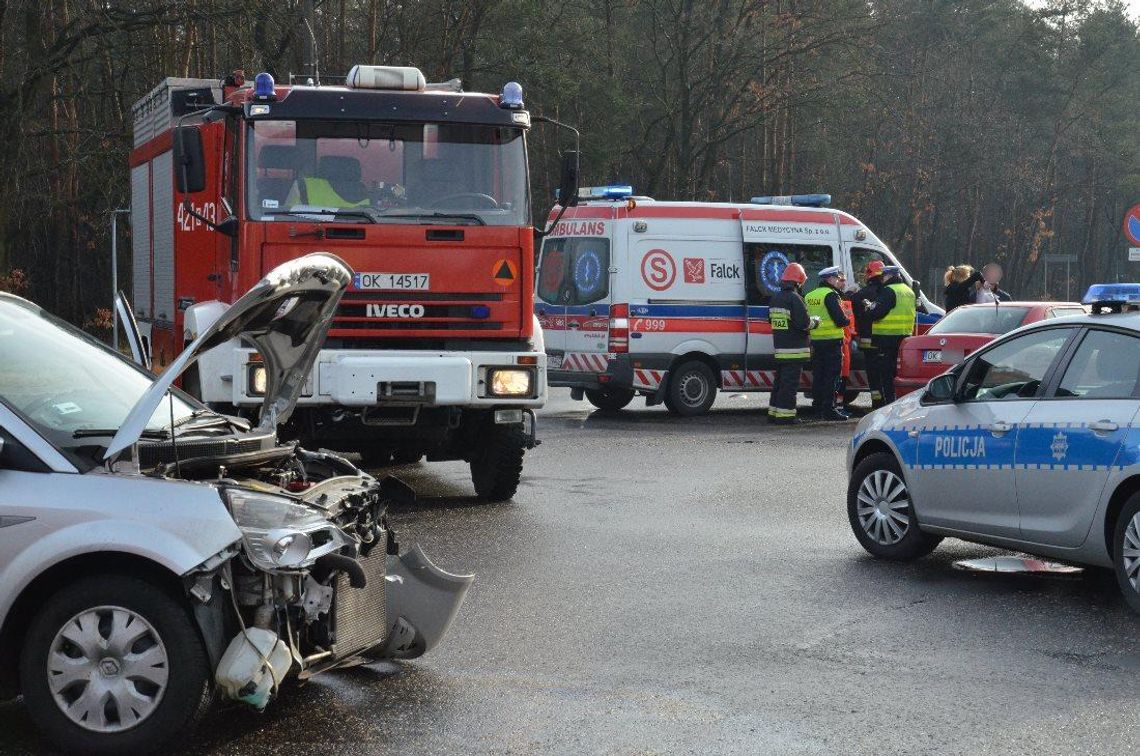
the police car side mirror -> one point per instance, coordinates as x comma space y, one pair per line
941, 389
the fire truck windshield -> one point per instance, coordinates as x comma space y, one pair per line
387, 172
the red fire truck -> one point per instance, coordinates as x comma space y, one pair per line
422, 189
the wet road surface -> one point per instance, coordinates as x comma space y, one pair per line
664, 585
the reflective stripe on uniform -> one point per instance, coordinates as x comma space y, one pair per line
780, 318
794, 353
780, 412
900, 320
816, 306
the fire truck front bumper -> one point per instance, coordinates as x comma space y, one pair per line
365, 378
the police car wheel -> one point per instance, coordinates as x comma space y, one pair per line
881, 512
610, 399
692, 389
1126, 552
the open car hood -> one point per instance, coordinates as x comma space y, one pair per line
285, 317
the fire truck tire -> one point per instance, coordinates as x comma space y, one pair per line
692, 389
611, 399
497, 466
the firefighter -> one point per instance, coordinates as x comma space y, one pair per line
823, 304
790, 326
872, 282
848, 338
894, 314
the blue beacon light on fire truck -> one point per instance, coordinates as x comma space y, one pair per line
263, 87
512, 96
1114, 297
796, 200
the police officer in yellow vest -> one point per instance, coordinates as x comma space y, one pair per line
824, 302
894, 314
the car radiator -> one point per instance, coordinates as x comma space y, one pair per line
361, 616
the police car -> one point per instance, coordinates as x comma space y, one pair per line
1032, 444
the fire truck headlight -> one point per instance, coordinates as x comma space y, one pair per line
510, 382
257, 380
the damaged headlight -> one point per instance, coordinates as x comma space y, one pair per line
280, 533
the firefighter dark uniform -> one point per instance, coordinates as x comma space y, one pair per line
894, 314
824, 303
863, 326
790, 325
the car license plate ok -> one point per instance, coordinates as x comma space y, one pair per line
932, 355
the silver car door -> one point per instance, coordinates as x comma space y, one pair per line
1071, 439
964, 476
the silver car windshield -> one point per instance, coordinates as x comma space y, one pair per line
70, 387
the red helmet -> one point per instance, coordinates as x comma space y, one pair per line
874, 268
795, 273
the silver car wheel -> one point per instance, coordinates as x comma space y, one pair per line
884, 507
107, 669
1131, 552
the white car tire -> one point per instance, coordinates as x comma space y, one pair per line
881, 513
113, 664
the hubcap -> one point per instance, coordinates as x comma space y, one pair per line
107, 669
883, 507
694, 389
1131, 552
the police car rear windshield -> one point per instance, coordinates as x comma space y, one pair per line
983, 319
387, 173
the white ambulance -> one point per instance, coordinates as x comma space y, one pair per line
670, 299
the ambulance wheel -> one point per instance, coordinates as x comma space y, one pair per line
1126, 551
497, 466
692, 389
612, 399
881, 512
114, 664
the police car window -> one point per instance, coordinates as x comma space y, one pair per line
574, 270
1105, 366
766, 262
1015, 369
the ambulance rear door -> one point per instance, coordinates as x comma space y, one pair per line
574, 296
773, 238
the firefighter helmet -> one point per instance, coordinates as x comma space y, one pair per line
873, 269
795, 273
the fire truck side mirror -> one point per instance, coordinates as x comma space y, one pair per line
189, 160
568, 184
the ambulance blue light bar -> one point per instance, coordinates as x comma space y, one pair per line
1112, 296
614, 191
797, 200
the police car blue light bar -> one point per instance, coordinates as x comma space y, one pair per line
1112, 295
797, 200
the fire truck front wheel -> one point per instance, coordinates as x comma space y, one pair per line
611, 399
497, 466
692, 389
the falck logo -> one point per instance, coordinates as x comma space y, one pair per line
1060, 446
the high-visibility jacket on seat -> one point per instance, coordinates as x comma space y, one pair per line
319, 192
900, 320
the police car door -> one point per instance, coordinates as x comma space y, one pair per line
1071, 440
772, 239
964, 475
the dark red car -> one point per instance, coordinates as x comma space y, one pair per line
963, 331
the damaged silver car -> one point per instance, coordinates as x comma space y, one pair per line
155, 554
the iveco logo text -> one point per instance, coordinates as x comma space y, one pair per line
394, 311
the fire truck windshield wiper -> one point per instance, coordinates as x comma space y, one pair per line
442, 217
366, 214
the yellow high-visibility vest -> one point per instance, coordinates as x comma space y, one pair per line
900, 320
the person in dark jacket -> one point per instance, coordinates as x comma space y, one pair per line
894, 313
790, 326
862, 302
960, 281
823, 304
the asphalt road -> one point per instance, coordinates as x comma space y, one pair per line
664, 585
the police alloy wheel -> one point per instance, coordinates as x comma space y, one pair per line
1126, 551
610, 399
881, 512
114, 664
692, 389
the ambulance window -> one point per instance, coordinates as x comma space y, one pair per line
766, 262
860, 256
574, 270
